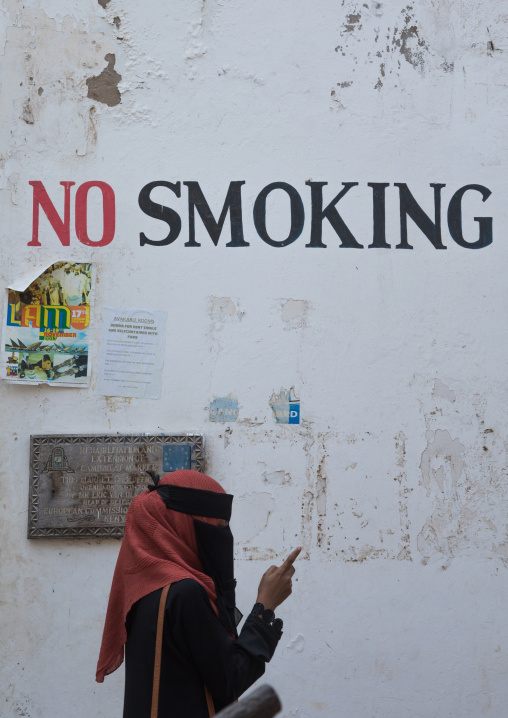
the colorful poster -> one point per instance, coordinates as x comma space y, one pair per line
132, 353
47, 328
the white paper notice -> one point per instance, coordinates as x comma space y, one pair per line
132, 353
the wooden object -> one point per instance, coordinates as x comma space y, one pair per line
261, 703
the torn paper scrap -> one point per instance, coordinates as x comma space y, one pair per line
285, 406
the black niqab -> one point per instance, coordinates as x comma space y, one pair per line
215, 543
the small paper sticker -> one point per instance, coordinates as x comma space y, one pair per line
285, 406
224, 409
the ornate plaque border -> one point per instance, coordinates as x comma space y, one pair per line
195, 441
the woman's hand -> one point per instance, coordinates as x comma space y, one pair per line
275, 586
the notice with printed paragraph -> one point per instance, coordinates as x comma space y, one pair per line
132, 353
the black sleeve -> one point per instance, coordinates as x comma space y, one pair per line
227, 667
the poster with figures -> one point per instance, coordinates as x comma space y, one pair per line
46, 328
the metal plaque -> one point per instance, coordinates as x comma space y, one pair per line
82, 485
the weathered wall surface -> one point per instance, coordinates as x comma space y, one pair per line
394, 482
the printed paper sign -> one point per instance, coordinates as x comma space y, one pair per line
132, 353
47, 326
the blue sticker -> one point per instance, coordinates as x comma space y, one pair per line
224, 409
294, 412
176, 457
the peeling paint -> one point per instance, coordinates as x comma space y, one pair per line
367, 514
379, 45
502, 550
442, 461
104, 87
320, 494
404, 494
376, 8
296, 644
465, 515
13, 183
411, 45
92, 128
294, 313
352, 22
307, 514
321, 479
27, 114
53, 57
195, 47
379, 83
336, 99
448, 66
4, 23
223, 310
277, 478
441, 390
225, 314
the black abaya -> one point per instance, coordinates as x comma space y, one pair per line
197, 650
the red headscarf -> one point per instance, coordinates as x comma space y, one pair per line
159, 547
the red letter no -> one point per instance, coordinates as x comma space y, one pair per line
62, 227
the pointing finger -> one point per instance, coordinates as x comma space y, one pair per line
288, 563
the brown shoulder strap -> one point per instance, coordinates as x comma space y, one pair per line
158, 653
158, 657
209, 702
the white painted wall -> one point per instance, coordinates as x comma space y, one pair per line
395, 481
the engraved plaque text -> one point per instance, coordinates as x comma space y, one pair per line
82, 485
